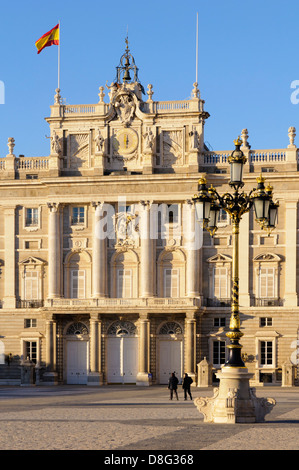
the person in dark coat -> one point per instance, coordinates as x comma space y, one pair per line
186, 386
173, 385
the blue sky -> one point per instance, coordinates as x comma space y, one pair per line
248, 58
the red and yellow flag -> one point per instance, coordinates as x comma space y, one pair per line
48, 39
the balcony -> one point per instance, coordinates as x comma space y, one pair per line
268, 302
129, 302
215, 302
30, 303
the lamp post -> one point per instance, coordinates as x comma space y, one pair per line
208, 204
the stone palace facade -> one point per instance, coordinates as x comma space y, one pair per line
99, 281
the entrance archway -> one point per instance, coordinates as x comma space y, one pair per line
77, 354
170, 351
122, 353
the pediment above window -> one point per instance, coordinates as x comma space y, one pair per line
32, 261
219, 258
267, 257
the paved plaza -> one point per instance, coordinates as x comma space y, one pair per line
127, 418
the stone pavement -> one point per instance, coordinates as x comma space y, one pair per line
129, 418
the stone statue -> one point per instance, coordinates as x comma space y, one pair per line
194, 139
149, 139
113, 89
99, 140
55, 143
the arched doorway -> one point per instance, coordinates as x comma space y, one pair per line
122, 353
77, 357
170, 351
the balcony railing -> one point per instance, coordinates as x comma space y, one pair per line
255, 156
131, 302
268, 302
30, 303
215, 302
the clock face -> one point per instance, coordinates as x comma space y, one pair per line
125, 141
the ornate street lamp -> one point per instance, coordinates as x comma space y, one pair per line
234, 375
202, 201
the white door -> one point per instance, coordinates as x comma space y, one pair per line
130, 359
77, 365
170, 360
122, 359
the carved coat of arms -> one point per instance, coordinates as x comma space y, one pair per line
125, 108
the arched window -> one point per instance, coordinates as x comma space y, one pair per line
122, 328
171, 274
124, 275
78, 275
76, 329
170, 328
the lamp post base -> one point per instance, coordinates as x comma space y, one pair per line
234, 401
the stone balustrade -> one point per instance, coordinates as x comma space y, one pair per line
116, 302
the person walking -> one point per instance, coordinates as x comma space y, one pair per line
173, 386
186, 386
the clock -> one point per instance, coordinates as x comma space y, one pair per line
125, 142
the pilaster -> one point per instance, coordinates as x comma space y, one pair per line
290, 296
9, 300
54, 274
99, 265
144, 351
95, 376
147, 252
190, 358
244, 295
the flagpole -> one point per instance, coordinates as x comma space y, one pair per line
196, 50
59, 59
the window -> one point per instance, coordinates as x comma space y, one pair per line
267, 169
31, 285
265, 321
219, 321
31, 351
220, 283
30, 323
31, 217
124, 283
218, 353
267, 283
31, 177
78, 216
78, 284
173, 213
223, 216
171, 283
266, 351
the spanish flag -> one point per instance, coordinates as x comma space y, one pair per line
48, 39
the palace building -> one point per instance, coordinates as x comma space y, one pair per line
100, 283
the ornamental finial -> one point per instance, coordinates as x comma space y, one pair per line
238, 141
260, 179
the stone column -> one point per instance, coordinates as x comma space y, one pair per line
190, 326
99, 262
147, 252
192, 243
244, 295
50, 377
9, 300
95, 376
53, 252
144, 351
290, 254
